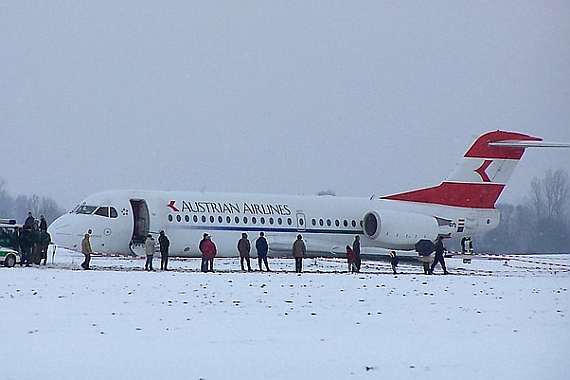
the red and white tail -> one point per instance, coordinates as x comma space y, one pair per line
481, 175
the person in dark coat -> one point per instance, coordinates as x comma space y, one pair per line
35, 235
26, 244
439, 252
244, 247
29, 222
356, 249
209, 251
43, 244
299, 252
164, 244
262, 248
15, 239
394, 261
43, 223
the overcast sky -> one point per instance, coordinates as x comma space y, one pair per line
294, 97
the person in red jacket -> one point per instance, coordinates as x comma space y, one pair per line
208, 249
351, 257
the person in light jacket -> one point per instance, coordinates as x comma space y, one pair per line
87, 251
149, 250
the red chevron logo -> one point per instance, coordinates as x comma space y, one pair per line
481, 170
171, 205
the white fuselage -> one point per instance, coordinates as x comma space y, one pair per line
120, 220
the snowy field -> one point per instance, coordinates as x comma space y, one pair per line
492, 319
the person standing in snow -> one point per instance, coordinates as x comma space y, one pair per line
149, 251
43, 223
209, 251
299, 252
351, 258
393, 261
439, 252
164, 244
244, 247
28, 223
262, 248
356, 249
87, 251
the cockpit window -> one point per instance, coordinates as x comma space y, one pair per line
114, 213
103, 211
83, 209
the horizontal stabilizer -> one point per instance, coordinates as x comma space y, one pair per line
528, 144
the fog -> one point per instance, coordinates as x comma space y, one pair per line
295, 97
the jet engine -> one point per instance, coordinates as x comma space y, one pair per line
399, 230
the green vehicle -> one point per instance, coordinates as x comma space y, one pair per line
9, 257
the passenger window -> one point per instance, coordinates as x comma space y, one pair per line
211, 219
220, 219
187, 218
337, 223
254, 220
228, 220
262, 220
314, 222
244, 220
328, 222
279, 221
195, 218
237, 219
271, 221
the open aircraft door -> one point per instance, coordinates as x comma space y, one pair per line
141, 225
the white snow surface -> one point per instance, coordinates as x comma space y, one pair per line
491, 319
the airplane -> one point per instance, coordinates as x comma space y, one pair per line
461, 205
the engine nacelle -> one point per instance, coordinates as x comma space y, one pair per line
399, 230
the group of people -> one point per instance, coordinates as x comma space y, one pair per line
209, 251
32, 240
439, 250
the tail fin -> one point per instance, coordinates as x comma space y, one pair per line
481, 175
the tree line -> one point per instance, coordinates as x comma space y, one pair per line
18, 207
540, 225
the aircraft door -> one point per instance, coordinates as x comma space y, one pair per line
301, 221
141, 220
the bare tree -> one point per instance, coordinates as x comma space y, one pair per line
556, 192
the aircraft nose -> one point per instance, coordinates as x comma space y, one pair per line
61, 232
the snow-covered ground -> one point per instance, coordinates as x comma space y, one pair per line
487, 320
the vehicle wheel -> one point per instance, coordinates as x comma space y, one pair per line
10, 261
